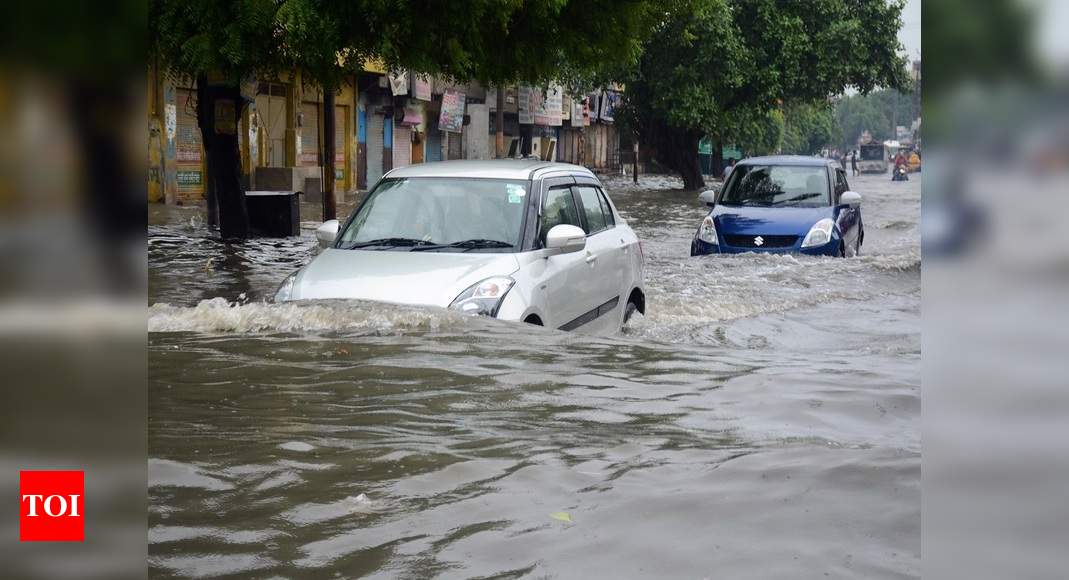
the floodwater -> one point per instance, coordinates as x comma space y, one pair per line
763, 421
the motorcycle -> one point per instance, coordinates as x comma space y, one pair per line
900, 174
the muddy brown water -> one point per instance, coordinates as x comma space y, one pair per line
762, 421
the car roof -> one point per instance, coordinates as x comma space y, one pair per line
787, 160
487, 169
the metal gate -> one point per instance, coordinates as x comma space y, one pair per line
271, 118
402, 145
455, 146
374, 149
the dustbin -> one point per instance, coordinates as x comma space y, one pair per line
274, 214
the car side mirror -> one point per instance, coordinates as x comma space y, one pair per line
851, 198
708, 197
327, 232
565, 239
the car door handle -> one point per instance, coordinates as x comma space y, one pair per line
591, 258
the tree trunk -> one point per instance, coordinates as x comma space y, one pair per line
678, 150
634, 166
211, 200
329, 208
499, 123
224, 159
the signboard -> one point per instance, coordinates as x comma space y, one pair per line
412, 116
593, 101
548, 112
578, 112
398, 83
421, 87
188, 177
170, 120
523, 105
609, 100
566, 108
451, 117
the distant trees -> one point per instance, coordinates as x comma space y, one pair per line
809, 127
722, 67
877, 113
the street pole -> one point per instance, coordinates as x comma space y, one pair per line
499, 123
329, 208
634, 166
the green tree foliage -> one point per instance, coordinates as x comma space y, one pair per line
757, 132
719, 67
808, 128
485, 40
496, 41
877, 113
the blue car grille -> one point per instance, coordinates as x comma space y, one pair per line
749, 241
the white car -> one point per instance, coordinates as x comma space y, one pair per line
518, 240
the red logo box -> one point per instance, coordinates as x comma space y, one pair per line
51, 506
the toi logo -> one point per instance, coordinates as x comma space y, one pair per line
51, 506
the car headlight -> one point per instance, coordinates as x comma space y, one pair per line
285, 289
707, 231
819, 234
483, 298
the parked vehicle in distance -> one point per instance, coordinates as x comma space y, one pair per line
874, 158
522, 240
782, 204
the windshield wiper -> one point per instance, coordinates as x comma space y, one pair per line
466, 244
390, 242
797, 198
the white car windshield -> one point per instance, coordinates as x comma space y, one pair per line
778, 185
440, 214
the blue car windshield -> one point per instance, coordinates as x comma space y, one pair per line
777, 185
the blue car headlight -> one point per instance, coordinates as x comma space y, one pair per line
819, 234
483, 298
707, 231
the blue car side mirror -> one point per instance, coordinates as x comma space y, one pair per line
708, 197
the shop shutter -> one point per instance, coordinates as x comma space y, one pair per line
374, 149
456, 146
341, 152
402, 145
310, 135
434, 141
189, 155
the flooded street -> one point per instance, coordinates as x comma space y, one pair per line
762, 421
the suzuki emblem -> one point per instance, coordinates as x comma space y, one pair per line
758, 241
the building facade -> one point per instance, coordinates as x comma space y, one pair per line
382, 121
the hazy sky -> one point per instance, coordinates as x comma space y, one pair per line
910, 33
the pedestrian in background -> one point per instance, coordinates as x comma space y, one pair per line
853, 163
729, 167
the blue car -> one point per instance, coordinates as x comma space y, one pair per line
782, 204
